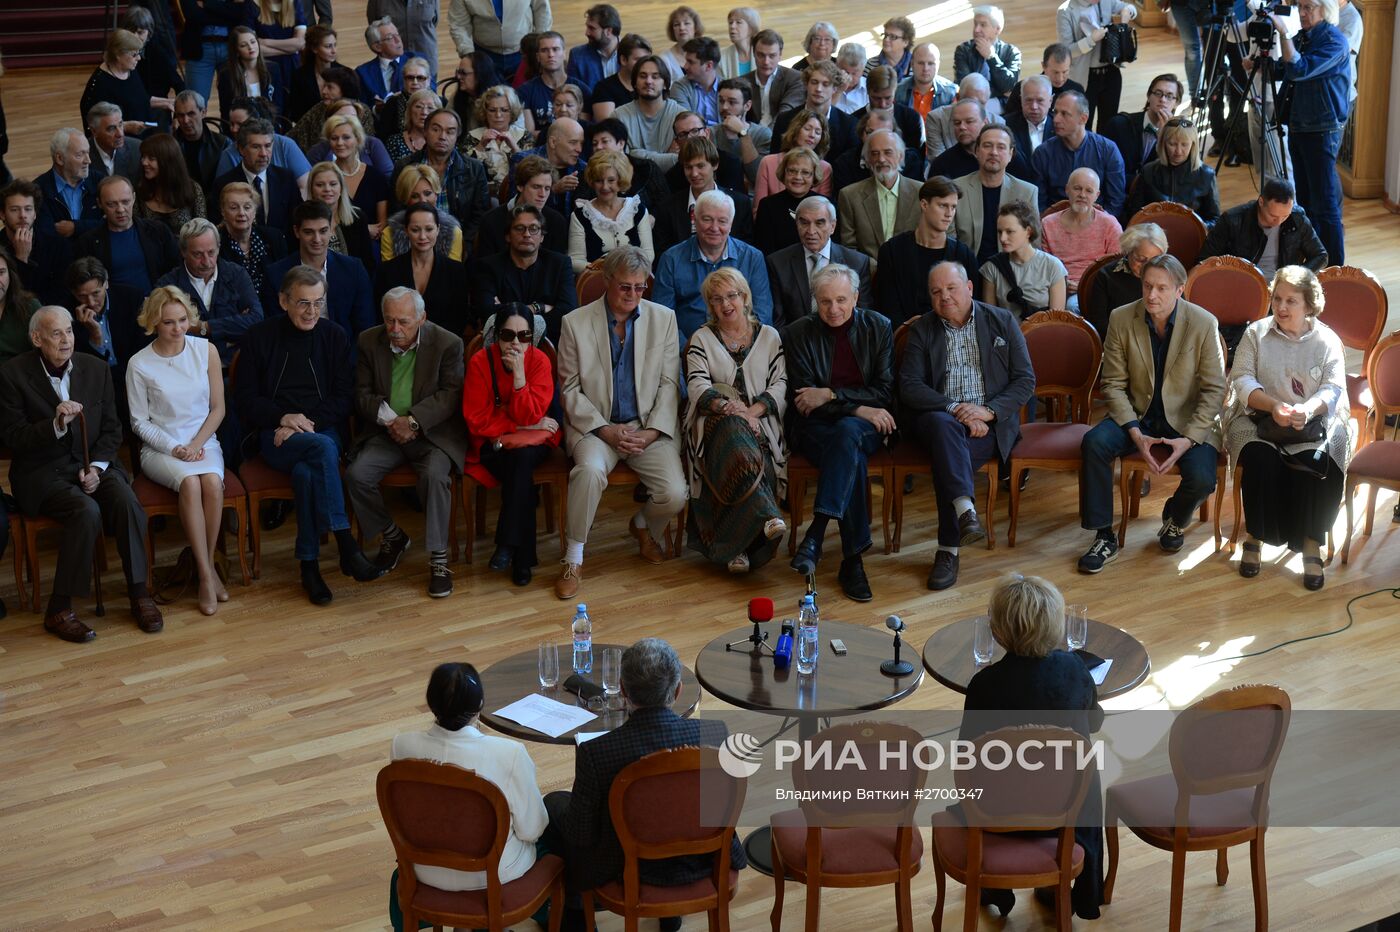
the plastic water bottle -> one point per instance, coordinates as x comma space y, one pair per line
808, 641
583, 641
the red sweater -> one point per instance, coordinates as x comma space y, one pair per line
519, 409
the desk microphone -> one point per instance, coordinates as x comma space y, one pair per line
760, 610
896, 667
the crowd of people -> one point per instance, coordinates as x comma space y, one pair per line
298, 280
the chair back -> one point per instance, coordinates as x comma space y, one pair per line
901, 340
1066, 354
1217, 745
1229, 287
444, 816
1356, 307
866, 739
657, 810
591, 283
1186, 232
1055, 208
477, 343
1043, 787
1383, 376
1091, 275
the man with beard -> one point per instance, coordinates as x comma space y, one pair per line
981, 193
882, 205
540, 278
597, 58
651, 118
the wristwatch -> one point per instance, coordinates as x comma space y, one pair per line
414, 425
745, 132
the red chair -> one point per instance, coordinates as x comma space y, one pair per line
1186, 233
863, 843
1357, 308
1377, 463
1055, 208
980, 851
1229, 287
655, 805
1088, 280
1066, 354
1223, 750
440, 815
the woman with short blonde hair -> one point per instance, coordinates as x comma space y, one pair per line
116, 81
610, 218
420, 184
175, 393
1027, 615
736, 59
1177, 174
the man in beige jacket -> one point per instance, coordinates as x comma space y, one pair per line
1164, 379
496, 27
620, 368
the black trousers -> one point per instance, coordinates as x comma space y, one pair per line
515, 470
1283, 505
113, 507
1104, 91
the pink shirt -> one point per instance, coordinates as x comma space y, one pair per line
768, 182
1080, 249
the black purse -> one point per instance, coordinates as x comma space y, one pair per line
1120, 45
1270, 431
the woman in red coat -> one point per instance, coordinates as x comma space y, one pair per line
505, 401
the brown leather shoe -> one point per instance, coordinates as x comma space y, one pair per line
66, 625
147, 615
646, 544
566, 586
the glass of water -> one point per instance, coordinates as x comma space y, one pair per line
982, 643
549, 665
1076, 625
612, 677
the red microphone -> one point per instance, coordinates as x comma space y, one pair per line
760, 610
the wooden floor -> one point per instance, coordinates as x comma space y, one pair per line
220, 775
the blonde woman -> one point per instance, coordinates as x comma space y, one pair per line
499, 134
420, 184
367, 188
115, 81
610, 219
736, 381
420, 104
349, 232
1177, 174
736, 59
175, 392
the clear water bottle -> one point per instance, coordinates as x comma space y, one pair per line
808, 642
583, 641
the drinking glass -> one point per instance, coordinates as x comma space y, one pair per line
1076, 625
549, 665
982, 643
612, 677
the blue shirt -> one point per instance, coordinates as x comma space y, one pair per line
72, 195
1054, 161
683, 267
128, 261
1154, 420
285, 154
624, 406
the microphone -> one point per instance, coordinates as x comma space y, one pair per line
760, 610
894, 623
782, 654
896, 667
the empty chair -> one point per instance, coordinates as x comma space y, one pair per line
1357, 308
1378, 463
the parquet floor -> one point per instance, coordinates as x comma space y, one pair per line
221, 775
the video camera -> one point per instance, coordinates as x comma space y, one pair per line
1260, 30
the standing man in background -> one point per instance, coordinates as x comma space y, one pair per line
416, 21
497, 26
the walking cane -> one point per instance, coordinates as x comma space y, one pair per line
97, 554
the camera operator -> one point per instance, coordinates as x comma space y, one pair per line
1273, 162
1317, 84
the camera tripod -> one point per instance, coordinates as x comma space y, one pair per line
1218, 79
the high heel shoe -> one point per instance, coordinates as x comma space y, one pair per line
208, 598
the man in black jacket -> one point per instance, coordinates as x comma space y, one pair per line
136, 251
201, 146
104, 320
534, 182
840, 402
69, 207
526, 273
1135, 134
42, 256
295, 388
880, 85
465, 192
821, 81
963, 378
223, 293
1271, 232
276, 186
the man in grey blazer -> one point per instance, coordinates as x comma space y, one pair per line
982, 193
776, 88
621, 390
886, 203
418, 423
790, 269
113, 151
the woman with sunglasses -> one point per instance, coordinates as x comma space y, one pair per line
506, 403
1177, 174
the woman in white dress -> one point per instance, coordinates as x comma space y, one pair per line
175, 389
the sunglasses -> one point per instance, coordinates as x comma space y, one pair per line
510, 336
1181, 123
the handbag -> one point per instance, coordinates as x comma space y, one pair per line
1270, 431
1120, 45
524, 437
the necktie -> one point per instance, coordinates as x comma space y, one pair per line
262, 200
814, 263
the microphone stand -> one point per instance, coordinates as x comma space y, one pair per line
896, 667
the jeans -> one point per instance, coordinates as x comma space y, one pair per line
1190, 31
1319, 188
955, 456
840, 449
314, 463
1105, 443
199, 74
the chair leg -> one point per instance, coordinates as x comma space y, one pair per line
548, 514
1123, 508
775, 918
452, 520
1111, 837
904, 904
480, 511
1351, 529
1063, 921
1219, 505
887, 480
31, 547
1238, 498
712, 920
255, 531
897, 497
940, 882
238, 542
993, 488
589, 922
814, 902
972, 903
19, 572
1260, 878
1178, 889
1370, 507
1015, 505
1222, 866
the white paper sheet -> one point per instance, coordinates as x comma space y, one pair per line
545, 715
1100, 672
582, 736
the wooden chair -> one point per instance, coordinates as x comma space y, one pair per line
1377, 463
159, 500
1038, 795
1357, 308
27, 559
1231, 288
1186, 233
802, 471
1087, 281
440, 815
262, 483
1066, 354
909, 459
1055, 208
1223, 750
861, 843
1131, 471
656, 808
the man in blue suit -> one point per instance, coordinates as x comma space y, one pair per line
382, 75
347, 284
222, 291
597, 58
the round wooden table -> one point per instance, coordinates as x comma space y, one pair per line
948, 656
842, 685
517, 676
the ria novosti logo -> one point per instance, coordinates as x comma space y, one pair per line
741, 755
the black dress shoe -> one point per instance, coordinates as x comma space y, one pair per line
853, 581
670, 924
311, 580
908, 483
809, 554
1003, 900
500, 560
944, 574
273, 514
520, 574
359, 567
970, 530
